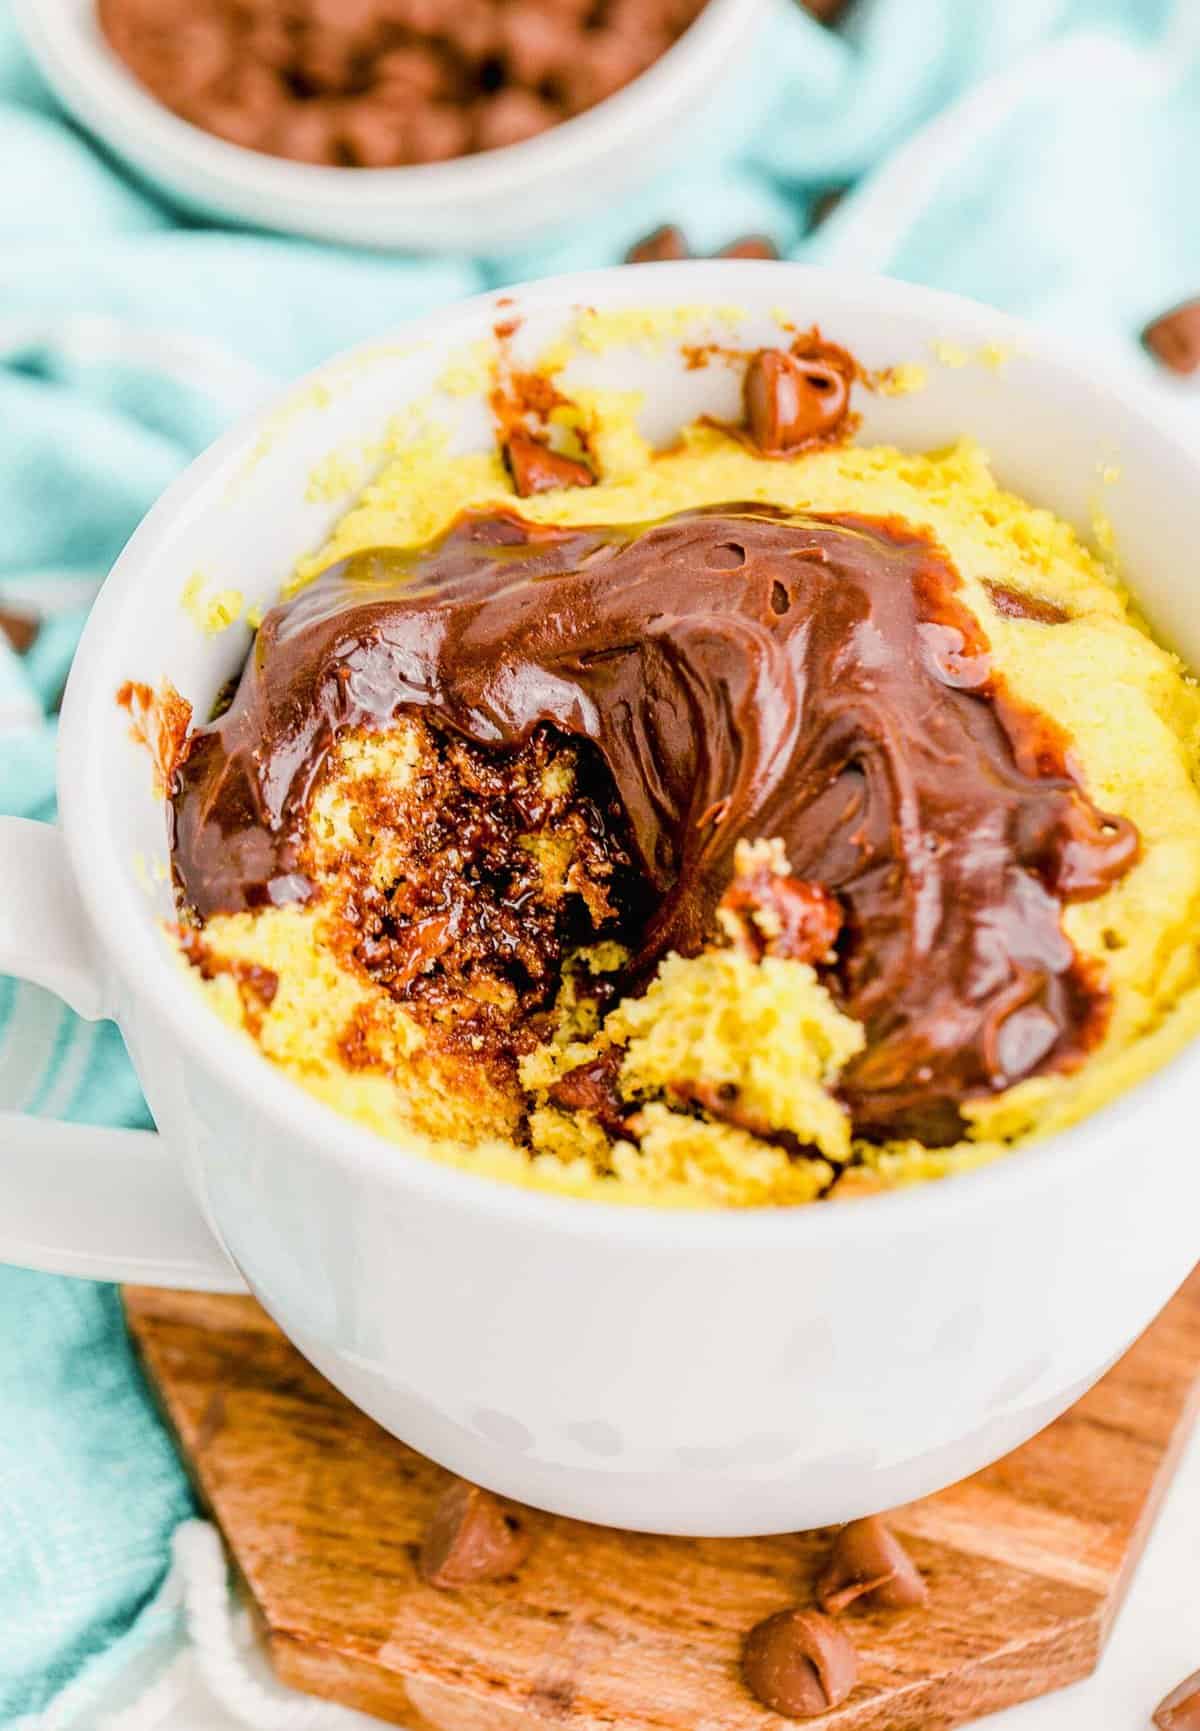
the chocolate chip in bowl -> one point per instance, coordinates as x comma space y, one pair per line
385, 83
393, 123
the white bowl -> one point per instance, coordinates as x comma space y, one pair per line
472, 204
722, 1372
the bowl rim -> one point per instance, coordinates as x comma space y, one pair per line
73, 55
143, 963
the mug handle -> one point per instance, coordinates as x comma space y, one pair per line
77, 1199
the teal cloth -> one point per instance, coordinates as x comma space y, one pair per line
1064, 198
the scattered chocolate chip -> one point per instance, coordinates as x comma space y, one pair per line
825, 11
869, 1562
750, 246
775, 914
472, 1537
670, 242
792, 402
20, 630
799, 1663
535, 468
1180, 1710
664, 244
1174, 338
1013, 605
592, 1087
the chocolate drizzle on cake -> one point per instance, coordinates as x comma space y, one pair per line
734, 672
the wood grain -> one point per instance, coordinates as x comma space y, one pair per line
323, 1513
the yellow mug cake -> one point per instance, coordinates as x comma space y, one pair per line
763, 820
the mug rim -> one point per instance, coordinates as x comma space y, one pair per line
146, 968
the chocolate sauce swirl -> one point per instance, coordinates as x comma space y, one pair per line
741, 673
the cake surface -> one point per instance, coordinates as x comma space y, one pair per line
564, 936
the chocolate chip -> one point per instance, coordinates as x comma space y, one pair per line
438, 131
799, 1663
659, 247
19, 629
669, 242
792, 402
1180, 1710
307, 133
537, 45
1013, 605
722, 1101
1174, 338
371, 132
608, 59
825, 11
869, 1562
750, 246
201, 56
411, 73
510, 117
592, 1087
472, 1537
476, 30
535, 468
232, 122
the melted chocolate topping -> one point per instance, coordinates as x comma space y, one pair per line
740, 673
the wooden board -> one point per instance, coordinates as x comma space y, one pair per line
1027, 1562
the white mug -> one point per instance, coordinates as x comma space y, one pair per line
709, 1373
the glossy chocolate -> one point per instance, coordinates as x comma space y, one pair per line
741, 673
868, 1562
799, 1663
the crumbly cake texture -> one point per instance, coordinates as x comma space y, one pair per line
721, 1025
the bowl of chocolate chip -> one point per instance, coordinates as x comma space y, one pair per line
651, 883
391, 123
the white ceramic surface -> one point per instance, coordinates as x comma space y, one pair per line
708, 1373
492, 201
